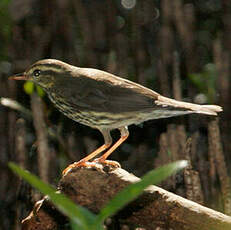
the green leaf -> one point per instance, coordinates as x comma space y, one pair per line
206, 81
40, 91
199, 81
80, 216
28, 87
132, 191
74, 226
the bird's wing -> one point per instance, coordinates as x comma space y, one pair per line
103, 92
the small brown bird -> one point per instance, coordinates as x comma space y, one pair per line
104, 101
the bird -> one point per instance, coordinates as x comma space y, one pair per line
104, 101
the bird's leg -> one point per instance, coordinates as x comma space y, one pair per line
85, 161
124, 133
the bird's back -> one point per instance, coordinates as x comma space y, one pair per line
94, 97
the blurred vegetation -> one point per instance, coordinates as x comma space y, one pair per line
137, 40
206, 82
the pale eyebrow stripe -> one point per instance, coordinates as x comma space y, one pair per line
52, 72
52, 65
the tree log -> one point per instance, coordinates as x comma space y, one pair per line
156, 207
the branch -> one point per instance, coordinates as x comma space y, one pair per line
42, 136
154, 208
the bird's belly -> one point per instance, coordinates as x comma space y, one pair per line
106, 120
94, 119
98, 120
90, 118
72, 112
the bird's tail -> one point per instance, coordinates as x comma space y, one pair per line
194, 108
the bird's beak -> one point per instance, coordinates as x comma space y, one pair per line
19, 76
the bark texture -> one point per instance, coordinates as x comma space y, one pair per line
155, 208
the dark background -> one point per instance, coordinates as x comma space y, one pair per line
179, 48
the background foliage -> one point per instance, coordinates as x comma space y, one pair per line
178, 48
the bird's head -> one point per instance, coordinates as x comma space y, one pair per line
44, 72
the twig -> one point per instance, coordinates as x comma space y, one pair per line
42, 136
16, 106
215, 148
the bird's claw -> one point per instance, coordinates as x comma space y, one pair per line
109, 163
98, 163
79, 164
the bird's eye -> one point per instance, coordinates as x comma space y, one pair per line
36, 72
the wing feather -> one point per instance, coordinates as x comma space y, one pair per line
105, 93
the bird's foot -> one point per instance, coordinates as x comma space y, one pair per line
98, 163
109, 163
79, 164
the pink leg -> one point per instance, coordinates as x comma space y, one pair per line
124, 135
83, 162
